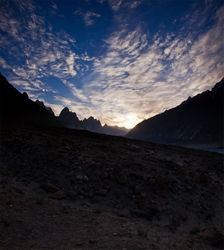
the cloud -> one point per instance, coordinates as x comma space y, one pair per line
35, 52
135, 4
89, 18
4, 64
54, 6
141, 77
135, 78
115, 4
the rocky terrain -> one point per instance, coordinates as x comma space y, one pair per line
69, 189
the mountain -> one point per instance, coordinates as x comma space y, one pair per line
17, 110
115, 191
115, 130
198, 120
92, 125
70, 120
49, 109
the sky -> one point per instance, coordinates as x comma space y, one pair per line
121, 61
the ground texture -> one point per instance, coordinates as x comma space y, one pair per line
67, 189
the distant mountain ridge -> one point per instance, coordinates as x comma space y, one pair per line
17, 110
70, 120
198, 120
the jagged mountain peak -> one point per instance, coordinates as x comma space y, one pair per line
65, 110
49, 109
70, 120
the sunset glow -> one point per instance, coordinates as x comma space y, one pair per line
111, 59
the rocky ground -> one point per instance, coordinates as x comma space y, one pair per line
67, 189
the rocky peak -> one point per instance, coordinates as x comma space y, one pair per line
64, 111
70, 119
25, 95
40, 103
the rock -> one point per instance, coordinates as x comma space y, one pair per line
79, 244
59, 195
85, 178
5, 223
92, 241
143, 232
82, 178
18, 190
105, 175
137, 190
122, 179
143, 195
204, 178
213, 236
50, 188
102, 192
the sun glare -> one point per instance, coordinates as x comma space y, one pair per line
131, 121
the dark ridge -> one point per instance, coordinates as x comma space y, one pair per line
69, 119
198, 120
49, 109
17, 110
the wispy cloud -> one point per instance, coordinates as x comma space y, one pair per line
37, 52
88, 17
135, 78
134, 4
141, 77
4, 64
54, 6
116, 5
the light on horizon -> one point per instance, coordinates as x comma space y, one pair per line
131, 121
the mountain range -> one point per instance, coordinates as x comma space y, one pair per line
56, 182
70, 120
198, 120
17, 110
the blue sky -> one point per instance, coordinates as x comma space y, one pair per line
120, 61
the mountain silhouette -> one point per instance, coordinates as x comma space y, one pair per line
70, 120
49, 109
92, 124
198, 120
17, 110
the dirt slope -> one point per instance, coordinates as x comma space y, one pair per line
67, 189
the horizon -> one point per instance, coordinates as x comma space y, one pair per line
119, 61
129, 129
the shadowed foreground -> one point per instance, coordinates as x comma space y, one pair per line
67, 189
